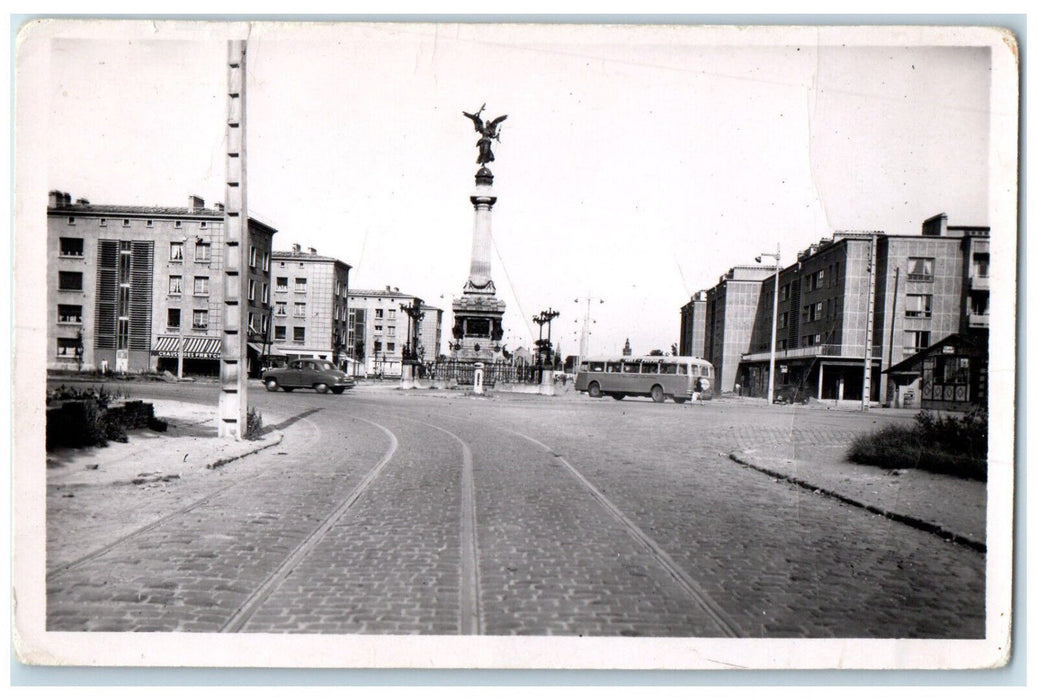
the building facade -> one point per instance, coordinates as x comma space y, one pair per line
850, 298
379, 327
693, 326
310, 306
138, 289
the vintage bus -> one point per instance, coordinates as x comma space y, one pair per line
678, 378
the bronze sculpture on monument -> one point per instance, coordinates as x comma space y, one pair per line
478, 313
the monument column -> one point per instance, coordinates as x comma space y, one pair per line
478, 313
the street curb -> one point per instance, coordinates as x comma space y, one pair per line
227, 460
910, 520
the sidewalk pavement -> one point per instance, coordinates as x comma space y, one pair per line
189, 444
948, 506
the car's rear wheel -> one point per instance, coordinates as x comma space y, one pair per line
338, 389
271, 385
321, 388
657, 394
594, 390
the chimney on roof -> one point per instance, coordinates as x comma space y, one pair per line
218, 206
194, 203
82, 200
66, 199
311, 251
388, 288
296, 248
55, 199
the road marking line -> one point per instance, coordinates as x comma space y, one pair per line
247, 609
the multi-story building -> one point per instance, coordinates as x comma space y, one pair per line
140, 288
912, 291
693, 326
729, 310
379, 327
310, 306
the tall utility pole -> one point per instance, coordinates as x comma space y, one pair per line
232, 419
585, 333
776, 255
869, 329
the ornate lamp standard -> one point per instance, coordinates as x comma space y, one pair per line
774, 320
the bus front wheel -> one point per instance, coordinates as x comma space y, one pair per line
594, 390
657, 394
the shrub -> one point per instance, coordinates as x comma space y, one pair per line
955, 445
253, 423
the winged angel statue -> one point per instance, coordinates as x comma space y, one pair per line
489, 134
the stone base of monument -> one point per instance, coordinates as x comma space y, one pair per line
407, 376
547, 383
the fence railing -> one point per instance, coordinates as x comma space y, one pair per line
493, 373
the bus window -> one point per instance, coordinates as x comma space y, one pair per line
668, 368
597, 366
650, 368
682, 369
631, 367
613, 367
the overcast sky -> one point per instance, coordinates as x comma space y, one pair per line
635, 166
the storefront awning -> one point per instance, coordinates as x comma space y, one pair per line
195, 348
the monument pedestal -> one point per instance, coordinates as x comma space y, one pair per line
478, 313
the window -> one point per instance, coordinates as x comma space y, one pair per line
300, 284
300, 308
981, 264
783, 320
150, 223
251, 290
266, 262
377, 346
919, 305
282, 284
784, 292
176, 251
920, 269
203, 224
200, 318
615, 367
68, 347
201, 286
979, 303
915, 341
338, 287
391, 331
71, 221
71, 247
266, 293
650, 368
252, 321
280, 332
281, 308
253, 256
377, 328
68, 313
299, 334
172, 318
202, 251
70, 281
379, 313
177, 224
783, 344
125, 222
176, 284
390, 347
631, 368
392, 314
104, 222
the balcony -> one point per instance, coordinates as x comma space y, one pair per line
979, 282
823, 350
979, 320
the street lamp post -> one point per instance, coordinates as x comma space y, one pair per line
774, 320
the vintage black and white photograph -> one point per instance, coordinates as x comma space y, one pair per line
475, 345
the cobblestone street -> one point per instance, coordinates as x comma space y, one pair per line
406, 512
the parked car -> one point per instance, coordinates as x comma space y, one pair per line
319, 375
